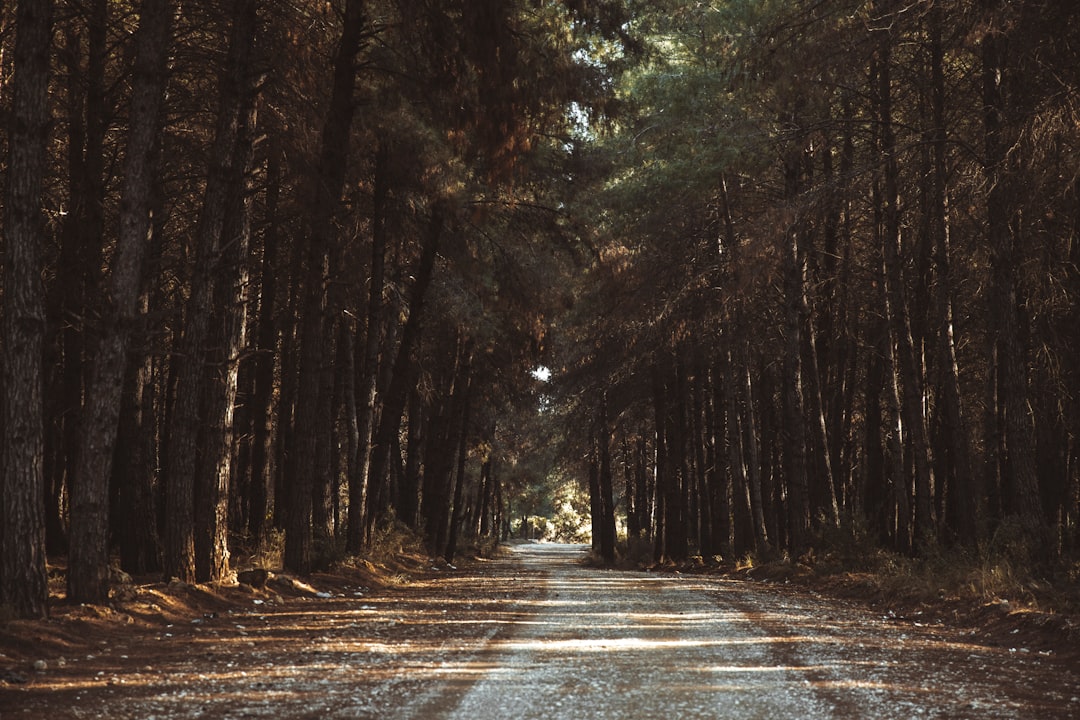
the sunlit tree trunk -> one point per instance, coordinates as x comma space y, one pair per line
633, 520
641, 482
200, 429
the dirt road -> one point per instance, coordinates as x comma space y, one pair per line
600, 644
538, 635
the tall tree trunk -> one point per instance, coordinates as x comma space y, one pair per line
1004, 242
350, 413
607, 495
23, 583
873, 475
908, 366
633, 520
80, 256
88, 573
408, 501
197, 473
675, 506
441, 450
262, 406
641, 482
459, 482
359, 482
485, 525
229, 321
753, 456
821, 426
795, 434
136, 511
730, 438
134, 470
325, 482
700, 435
402, 373
596, 504
327, 185
966, 498
438, 458
660, 464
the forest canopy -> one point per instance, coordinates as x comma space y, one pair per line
801, 270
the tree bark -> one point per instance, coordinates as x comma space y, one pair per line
359, 481
753, 457
596, 505
700, 436
200, 437
966, 496
23, 582
401, 374
261, 482
908, 367
675, 506
484, 524
134, 473
641, 483
327, 185
1004, 242
462, 456
88, 576
80, 256
438, 460
607, 496
408, 501
633, 519
660, 464
795, 469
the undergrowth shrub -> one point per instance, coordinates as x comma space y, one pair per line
393, 538
633, 553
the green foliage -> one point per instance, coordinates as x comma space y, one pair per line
570, 520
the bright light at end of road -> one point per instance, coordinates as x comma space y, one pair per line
542, 374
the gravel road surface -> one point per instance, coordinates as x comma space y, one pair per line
600, 644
